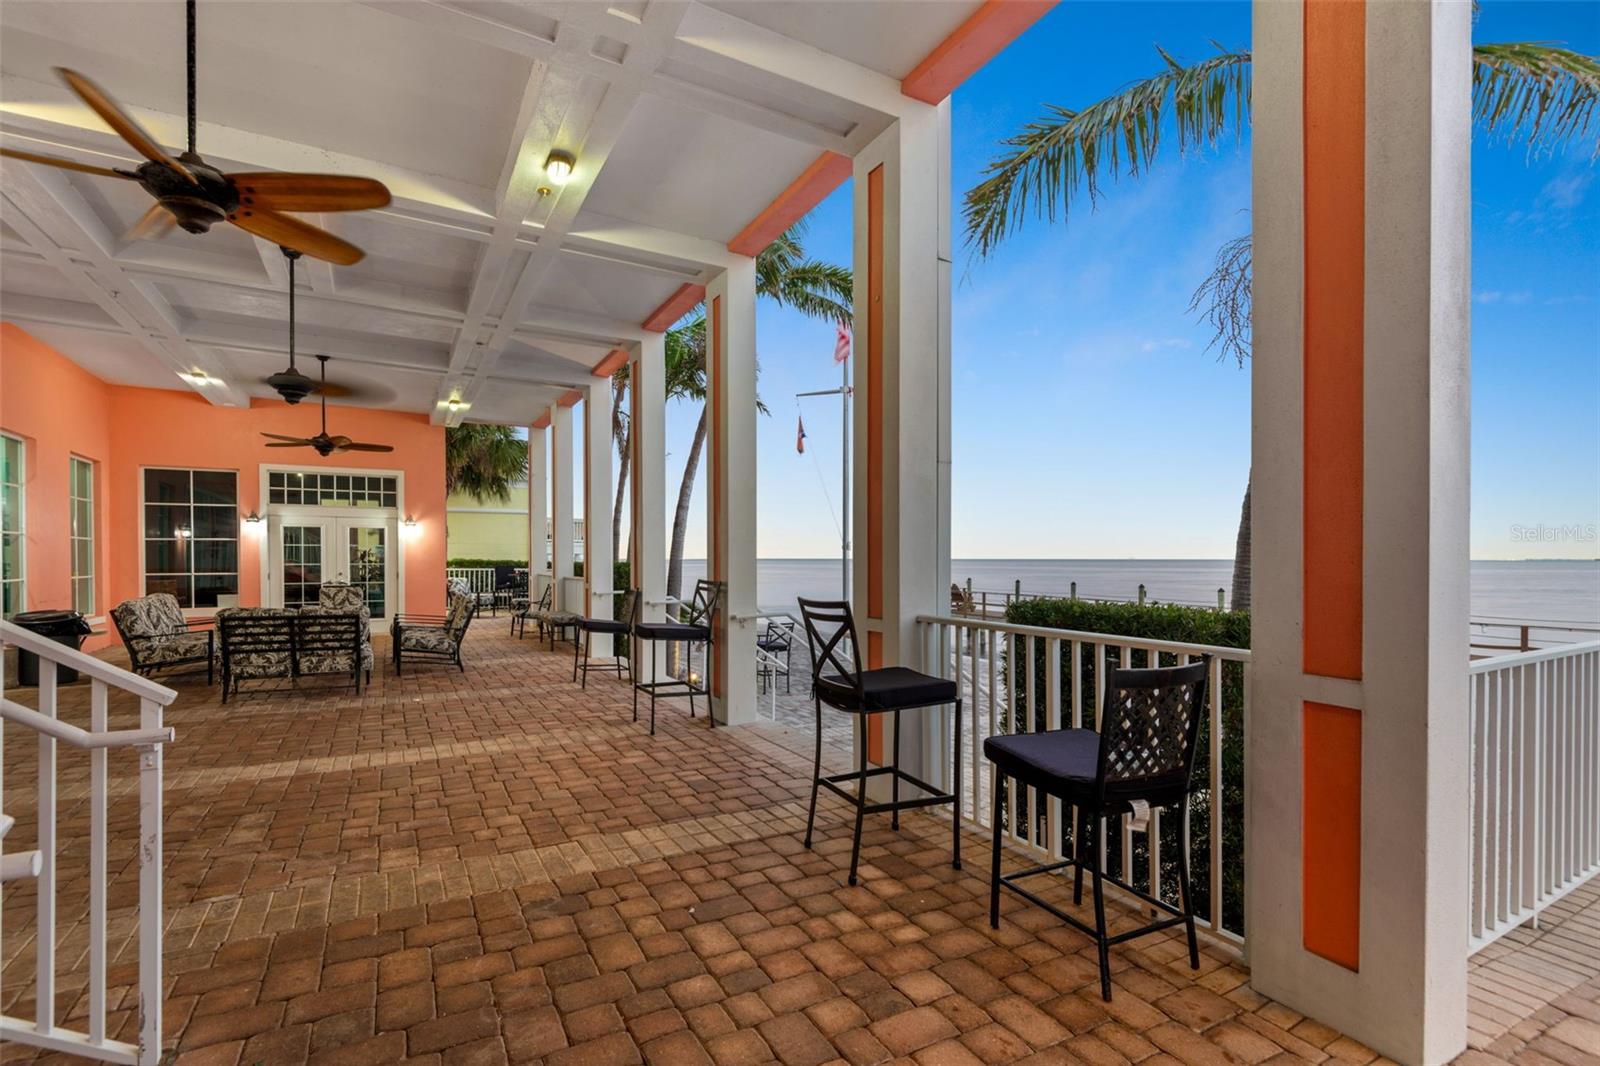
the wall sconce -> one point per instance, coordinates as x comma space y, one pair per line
558, 166
254, 522
410, 526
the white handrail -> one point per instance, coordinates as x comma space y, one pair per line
40, 864
1175, 647
83, 738
1528, 658
86, 664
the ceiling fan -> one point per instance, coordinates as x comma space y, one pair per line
324, 444
194, 195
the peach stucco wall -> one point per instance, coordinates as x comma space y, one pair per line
60, 410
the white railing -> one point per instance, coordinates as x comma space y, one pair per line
40, 864
1535, 783
478, 578
1015, 678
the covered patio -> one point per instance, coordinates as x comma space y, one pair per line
491, 864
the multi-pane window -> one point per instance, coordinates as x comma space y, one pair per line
13, 573
191, 534
81, 493
311, 488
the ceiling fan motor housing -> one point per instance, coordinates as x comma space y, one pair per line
292, 385
196, 207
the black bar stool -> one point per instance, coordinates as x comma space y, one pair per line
891, 689
1144, 754
616, 627
693, 629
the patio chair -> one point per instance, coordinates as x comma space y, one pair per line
554, 623
433, 638
338, 596
520, 613
841, 683
776, 644
693, 628
1141, 760
619, 628
159, 637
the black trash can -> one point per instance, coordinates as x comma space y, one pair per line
63, 627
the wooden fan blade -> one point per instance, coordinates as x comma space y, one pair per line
296, 444
292, 233
309, 192
280, 436
65, 164
152, 225
124, 125
357, 446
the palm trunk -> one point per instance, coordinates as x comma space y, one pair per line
1241, 557
680, 520
622, 492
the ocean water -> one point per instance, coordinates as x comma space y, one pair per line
1543, 590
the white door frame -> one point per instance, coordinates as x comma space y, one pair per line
276, 514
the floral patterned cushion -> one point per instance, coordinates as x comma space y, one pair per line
342, 597
254, 664
183, 647
156, 615
460, 613
456, 586
426, 638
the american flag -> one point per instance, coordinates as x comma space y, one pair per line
841, 346
800, 436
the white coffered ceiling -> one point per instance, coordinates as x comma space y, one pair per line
687, 120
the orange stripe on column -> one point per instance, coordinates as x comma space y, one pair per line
1334, 149
1330, 846
542, 422
613, 362
874, 728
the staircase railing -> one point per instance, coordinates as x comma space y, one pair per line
39, 864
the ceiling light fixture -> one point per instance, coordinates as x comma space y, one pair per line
558, 166
198, 377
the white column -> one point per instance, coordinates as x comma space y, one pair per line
901, 487
731, 492
538, 503
648, 537
561, 503
1357, 821
597, 504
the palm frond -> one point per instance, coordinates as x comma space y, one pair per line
1065, 149
1223, 299
483, 461
1540, 93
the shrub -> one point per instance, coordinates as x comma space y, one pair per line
1156, 621
481, 563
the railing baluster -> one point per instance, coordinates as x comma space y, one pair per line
1052, 711
1215, 754
45, 935
97, 867
151, 914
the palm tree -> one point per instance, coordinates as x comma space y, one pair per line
483, 461
783, 275
1537, 94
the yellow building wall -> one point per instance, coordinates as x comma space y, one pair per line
488, 529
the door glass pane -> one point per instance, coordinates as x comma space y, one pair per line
368, 566
302, 565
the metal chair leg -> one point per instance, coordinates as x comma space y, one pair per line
861, 810
1100, 930
636, 686
1080, 837
994, 858
816, 778
1187, 899
894, 778
577, 647
652, 696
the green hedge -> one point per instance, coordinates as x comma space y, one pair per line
469, 563
1169, 622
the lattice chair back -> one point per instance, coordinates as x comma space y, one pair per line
1148, 731
831, 639
703, 606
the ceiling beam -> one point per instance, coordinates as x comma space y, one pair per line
976, 41
50, 215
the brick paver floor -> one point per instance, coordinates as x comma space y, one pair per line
492, 866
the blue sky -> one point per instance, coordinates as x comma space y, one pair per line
1082, 382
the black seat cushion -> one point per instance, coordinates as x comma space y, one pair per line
602, 625
1065, 757
672, 631
886, 689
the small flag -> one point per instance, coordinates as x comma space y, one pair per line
841, 347
800, 436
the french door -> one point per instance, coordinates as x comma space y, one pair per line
308, 550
